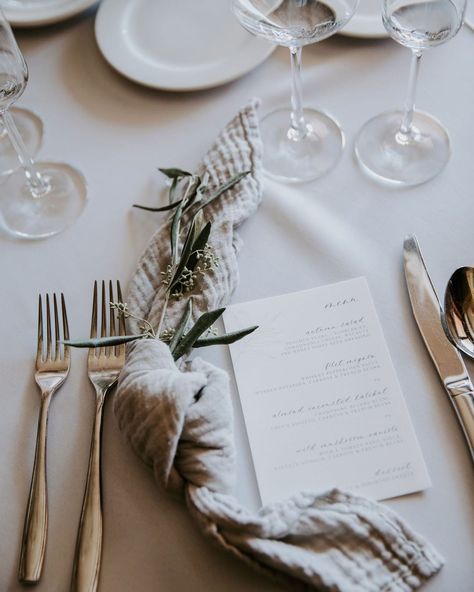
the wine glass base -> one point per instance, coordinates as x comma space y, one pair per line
30, 217
390, 157
300, 160
30, 127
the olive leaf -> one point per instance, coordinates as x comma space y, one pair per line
182, 325
185, 254
204, 322
202, 238
174, 232
189, 258
104, 341
194, 196
199, 220
200, 191
170, 206
174, 173
173, 190
222, 188
224, 339
199, 244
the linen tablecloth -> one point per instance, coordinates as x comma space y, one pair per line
303, 236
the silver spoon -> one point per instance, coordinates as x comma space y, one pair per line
459, 310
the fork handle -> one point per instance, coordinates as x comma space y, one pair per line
85, 575
33, 544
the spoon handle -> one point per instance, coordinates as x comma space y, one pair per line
464, 406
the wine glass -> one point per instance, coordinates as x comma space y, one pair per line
38, 199
30, 128
410, 147
300, 144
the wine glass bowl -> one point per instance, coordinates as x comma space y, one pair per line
13, 80
300, 144
421, 25
293, 23
409, 147
13, 70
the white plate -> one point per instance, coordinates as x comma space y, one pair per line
367, 21
177, 45
33, 13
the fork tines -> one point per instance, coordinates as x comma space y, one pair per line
107, 322
55, 350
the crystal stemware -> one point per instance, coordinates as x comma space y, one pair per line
30, 128
300, 144
38, 199
408, 147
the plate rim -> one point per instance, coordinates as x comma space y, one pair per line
103, 38
46, 15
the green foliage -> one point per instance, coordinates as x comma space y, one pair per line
194, 258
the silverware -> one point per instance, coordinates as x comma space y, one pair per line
459, 309
52, 368
103, 365
447, 360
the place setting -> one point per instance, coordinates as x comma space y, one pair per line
335, 445
177, 417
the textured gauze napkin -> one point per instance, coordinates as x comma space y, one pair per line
179, 421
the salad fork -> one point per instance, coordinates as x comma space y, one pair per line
51, 372
104, 365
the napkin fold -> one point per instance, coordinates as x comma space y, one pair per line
179, 421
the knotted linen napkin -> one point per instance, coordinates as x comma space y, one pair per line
179, 421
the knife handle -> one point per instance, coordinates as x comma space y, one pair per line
464, 406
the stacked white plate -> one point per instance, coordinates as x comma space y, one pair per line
34, 13
177, 45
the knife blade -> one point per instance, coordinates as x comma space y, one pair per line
430, 320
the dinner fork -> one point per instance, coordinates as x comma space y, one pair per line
51, 372
103, 366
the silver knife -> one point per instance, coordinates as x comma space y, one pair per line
429, 317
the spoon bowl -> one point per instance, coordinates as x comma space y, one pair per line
459, 310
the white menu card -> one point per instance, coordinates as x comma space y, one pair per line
320, 398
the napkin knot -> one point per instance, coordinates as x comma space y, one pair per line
179, 422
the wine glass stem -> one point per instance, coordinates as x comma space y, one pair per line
406, 126
298, 128
37, 184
